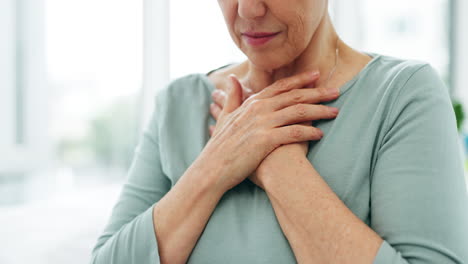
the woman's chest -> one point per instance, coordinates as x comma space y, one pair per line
344, 157
243, 227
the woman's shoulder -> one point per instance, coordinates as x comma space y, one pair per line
196, 85
184, 86
219, 76
394, 75
184, 91
409, 84
397, 68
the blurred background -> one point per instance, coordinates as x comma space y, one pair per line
77, 85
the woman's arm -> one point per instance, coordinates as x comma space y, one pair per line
418, 194
129, 236
152, 222
138, 234
181, 215
318, 225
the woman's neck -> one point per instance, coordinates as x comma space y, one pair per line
319, 55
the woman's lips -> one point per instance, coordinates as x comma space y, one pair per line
259, 38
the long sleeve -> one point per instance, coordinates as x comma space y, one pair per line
129, 236
418, 193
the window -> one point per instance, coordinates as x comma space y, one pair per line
202, 44
7, 80
75, 75
94, 70
417, 29
69, 107
23, 136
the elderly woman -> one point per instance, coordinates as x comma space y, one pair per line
285, 178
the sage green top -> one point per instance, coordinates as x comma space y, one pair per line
392, 156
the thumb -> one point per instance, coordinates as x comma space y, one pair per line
234, 98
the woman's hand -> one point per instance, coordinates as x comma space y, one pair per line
283, 106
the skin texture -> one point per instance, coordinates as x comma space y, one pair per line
295, 20
306, 41
241, 128
273, 93
285, 97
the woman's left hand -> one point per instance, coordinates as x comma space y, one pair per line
281, 155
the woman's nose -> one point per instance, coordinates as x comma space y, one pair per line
250, 9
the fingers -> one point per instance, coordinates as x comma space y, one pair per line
219, 97
234, 98
296, 133
211, 129
303, 96
215, 110
301, 113
289, 83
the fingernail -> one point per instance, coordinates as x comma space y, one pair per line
320, 133
233, 77
334, 91
334, 110
315, 73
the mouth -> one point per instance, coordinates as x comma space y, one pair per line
258, 38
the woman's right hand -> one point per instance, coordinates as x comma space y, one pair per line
246, 132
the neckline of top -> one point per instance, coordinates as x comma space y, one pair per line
344, 88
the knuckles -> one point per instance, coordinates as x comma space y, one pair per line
301, 110
296, 132
297, 96
283, 85
254, 106
251, 98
